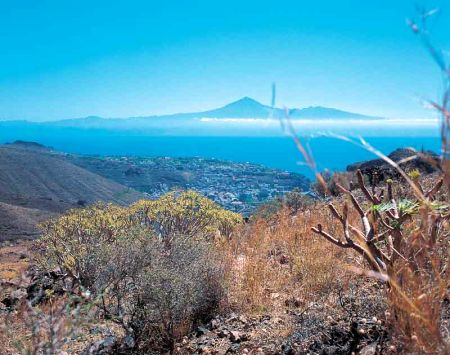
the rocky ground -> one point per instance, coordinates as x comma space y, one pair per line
347, 321
318, 328
14, 260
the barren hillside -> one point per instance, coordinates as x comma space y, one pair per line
34, 184
20, 222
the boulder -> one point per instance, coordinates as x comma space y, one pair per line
103, 346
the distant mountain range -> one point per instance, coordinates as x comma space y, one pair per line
242, 108
250, 108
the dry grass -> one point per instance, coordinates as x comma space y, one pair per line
46, 329
14, 260
280, 259
274, 260
420, 292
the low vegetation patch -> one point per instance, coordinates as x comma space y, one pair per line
180, 274
152, 267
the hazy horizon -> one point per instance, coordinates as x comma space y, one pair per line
375, 117
109, 60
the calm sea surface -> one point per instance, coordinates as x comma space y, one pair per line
276, 152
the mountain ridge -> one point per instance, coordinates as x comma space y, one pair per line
245, 107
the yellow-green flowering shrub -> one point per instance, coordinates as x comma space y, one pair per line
185, 213
151, 267
77, 241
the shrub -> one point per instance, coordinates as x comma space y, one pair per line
79, 242
269, 209
156, 290
174, 292
405, 243
294, 201
185, 213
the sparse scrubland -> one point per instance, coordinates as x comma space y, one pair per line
182, 275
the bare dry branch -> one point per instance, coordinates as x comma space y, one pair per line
374, 199
435, 189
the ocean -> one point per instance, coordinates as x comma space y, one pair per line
276, 152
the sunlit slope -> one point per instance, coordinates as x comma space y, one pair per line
36, 178
20, 222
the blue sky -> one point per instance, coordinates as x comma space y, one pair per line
65, 59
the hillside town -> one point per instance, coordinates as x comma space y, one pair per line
237, 186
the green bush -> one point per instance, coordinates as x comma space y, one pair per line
79, 243
185, 213
151, 267
174, 293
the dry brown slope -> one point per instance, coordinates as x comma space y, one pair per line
36, 184
20, 222
39, 179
